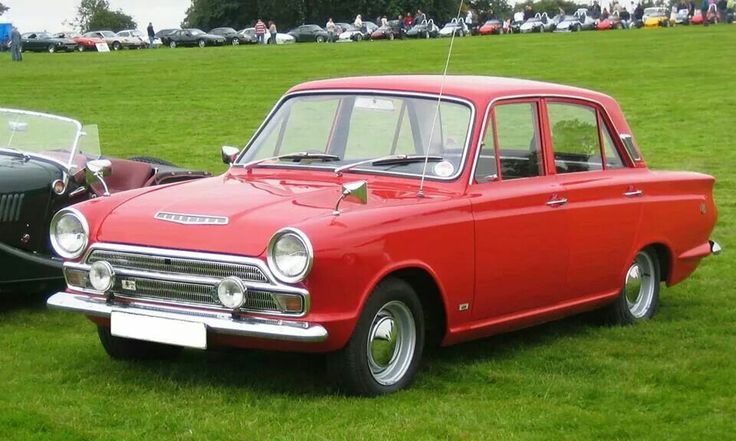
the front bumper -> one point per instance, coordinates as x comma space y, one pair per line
216, 323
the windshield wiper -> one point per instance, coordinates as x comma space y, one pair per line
15, 151
390, 160
294, 157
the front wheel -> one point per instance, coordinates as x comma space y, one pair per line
236, 42
121, 348
172, 44
116, 46
385, 350
320, 39
202, 43
51, 48
639, 297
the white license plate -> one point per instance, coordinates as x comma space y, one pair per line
159, 330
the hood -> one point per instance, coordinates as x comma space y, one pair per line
19, 175
256, 207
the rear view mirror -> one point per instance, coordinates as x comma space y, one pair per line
97, 170
229, 154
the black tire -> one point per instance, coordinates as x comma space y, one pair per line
172, 44
128, 349
644, 273
393, 301
151, 160
116, 46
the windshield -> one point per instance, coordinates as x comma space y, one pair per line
196, 32
58, 138
359, 127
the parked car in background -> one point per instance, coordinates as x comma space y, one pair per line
491, 27
656, 17
354, 34
145, 42
538, 23
45, 42
569, 23
114, 41
479, 205
425, 29
612, 22
83, 43
456, 27
309, 33
163, 35
249, 36
390, 32
231, 35
194, 37
47, 163
683, 17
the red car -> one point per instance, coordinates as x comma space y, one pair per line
491, 27
83, 43
610, 23
369, 217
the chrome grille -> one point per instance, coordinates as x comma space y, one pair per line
167, 290
178, 265
10, 205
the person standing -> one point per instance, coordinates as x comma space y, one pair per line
331, 29
151, 34
408, 21
260, 31
273, 31
358, 22
15, 45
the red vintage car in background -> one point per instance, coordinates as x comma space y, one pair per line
491, 27
369, 217
83, 43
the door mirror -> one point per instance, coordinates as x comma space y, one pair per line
357, 191
97, 170
229, 154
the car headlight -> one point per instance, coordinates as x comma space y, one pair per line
290, 255
69, 233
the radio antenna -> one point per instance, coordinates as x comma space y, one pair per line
439, 101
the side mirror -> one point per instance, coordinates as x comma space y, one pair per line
97, 170
229, 154
357, 191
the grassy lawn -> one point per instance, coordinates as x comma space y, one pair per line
673, 378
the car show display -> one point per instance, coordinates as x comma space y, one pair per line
47, 163
193, 37
370, 217
45, 42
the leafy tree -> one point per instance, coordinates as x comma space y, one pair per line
3, 8
95, 15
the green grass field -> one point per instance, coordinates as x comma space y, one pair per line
673, 378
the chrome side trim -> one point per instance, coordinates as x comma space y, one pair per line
217, 323
532, 96
337, 91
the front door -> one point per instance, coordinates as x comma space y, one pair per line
521, 231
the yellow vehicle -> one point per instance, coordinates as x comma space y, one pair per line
656, 17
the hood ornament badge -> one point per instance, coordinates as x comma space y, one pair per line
191, 219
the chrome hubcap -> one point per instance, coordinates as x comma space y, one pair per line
640, 285
391, 341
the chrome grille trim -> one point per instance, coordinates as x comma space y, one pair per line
187, 278
10, 206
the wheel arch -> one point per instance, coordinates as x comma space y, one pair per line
664, 257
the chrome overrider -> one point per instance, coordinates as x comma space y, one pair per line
217, 319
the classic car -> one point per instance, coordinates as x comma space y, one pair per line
83, 43
145, 41
352, 33
611, 22
569, 23
425, 29
390, 32
656, 17
309, 33
538, 23
193, 37
114, 41
456, 27
44, 42
231, 35
47, 162
491, 27
249, 36
163, 35
587, 22
477, 205
682, 17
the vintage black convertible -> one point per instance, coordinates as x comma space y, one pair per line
49, 162
44, 42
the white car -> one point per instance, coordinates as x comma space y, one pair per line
355, 34
115, 41
135, 33
458, 27
538, 23
250, 35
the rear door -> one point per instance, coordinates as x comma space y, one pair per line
604, 200
520, 216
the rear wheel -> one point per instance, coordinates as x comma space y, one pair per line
80, 48
385, 350
320, 39
51, 49
172, 44
236, 42
202, 43
129, 349
639, 297
116, 46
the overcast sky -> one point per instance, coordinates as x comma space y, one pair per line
48, 15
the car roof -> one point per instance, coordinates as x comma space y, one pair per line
474, 88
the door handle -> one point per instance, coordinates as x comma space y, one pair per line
557, 202
633, 193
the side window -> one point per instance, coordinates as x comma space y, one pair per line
613, 158
575, 137
513, 133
